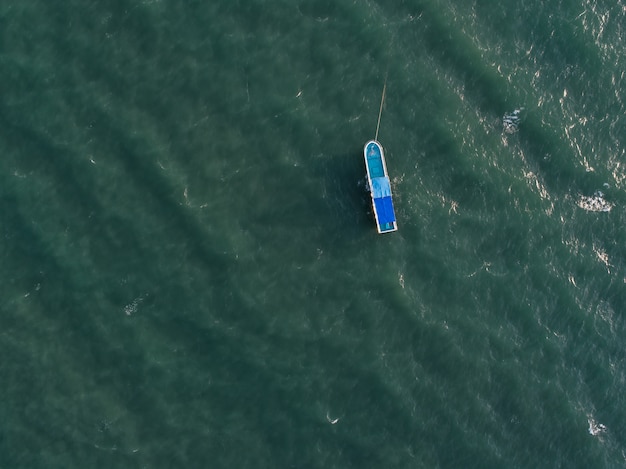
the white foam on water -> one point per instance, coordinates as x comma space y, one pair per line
131, 308
511, 121
603, 256
594, 203
595, 428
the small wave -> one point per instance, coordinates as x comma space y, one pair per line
595, 428
331, 420
131, 308
511, 121
594, 203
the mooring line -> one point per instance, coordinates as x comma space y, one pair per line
380, 111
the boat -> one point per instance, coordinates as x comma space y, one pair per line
380, 187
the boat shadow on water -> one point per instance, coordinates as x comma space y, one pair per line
345, 195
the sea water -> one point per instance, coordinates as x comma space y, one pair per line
191, 274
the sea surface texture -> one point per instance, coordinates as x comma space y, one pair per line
190, 271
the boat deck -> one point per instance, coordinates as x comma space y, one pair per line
380, 187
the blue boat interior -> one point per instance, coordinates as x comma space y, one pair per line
384, 210
381, 189
374, 161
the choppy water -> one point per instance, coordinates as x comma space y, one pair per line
191, 276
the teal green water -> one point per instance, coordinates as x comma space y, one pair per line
191, 275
